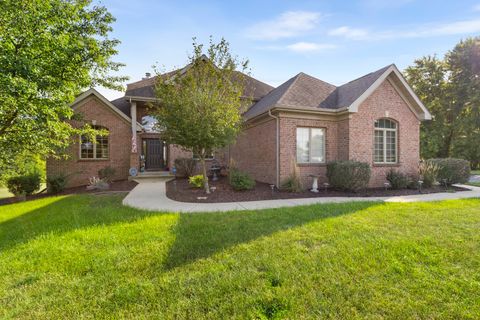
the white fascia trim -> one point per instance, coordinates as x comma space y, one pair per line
354, 106
97, 94
142, 99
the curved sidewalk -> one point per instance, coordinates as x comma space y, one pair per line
151, 195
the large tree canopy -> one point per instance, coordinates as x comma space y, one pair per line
50, 50
450, 88
200, 106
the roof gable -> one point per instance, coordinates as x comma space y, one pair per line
311, 94
99, 96
401, 85
346, 94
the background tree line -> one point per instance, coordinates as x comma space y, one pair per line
450, 89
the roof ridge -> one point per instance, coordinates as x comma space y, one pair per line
366, 75
318, 79
295, 79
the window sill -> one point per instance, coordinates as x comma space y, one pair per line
313, 164
387, 164
88, 160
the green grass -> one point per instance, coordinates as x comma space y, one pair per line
89, 257
475, 172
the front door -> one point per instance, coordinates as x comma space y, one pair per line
154, 154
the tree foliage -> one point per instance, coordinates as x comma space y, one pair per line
450, 88
200, 106
50, 50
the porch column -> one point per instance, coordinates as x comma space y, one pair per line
134, 159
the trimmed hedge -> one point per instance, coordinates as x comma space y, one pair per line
397, 179
240, 180
24, 185
348, 175
452, 170
57, 183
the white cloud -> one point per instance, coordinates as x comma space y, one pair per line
288, 24
304, 47
459, 27
476, 7
431, 30
349, 33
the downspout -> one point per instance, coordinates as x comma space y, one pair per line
277, 157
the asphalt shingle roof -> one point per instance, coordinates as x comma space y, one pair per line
305, 92
145, 88
302, 92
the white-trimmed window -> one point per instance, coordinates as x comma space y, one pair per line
91, 150
310, 145
385, 141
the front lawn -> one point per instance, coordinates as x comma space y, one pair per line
87, 256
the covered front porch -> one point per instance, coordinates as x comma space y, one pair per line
150, 153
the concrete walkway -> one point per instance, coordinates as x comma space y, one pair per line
474, 178
151, 195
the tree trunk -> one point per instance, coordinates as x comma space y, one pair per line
445, 150
205, 177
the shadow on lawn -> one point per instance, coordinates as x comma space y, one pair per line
202, 235
65, 214
197, 235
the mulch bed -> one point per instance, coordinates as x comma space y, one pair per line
181, 190
122, 186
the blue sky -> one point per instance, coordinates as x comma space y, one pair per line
335, 41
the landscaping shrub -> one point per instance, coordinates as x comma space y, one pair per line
25, 184
106, 174
240, 180
348, 175
452, 170
292, 183
185, 167
97, 184
57, 183
413, 183
196, 181
428, 173
397, 179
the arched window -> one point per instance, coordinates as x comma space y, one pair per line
386, 141
97, 150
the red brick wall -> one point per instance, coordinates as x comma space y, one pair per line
119, 147
343, 139
288, 147
254, 151
382, 101
175, 151
348, 138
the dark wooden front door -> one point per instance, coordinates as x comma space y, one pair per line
154, 154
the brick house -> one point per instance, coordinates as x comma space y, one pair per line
304, 121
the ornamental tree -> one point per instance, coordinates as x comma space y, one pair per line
50, 50
200, 105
